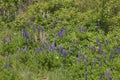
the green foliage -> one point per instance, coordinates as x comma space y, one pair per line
82, 39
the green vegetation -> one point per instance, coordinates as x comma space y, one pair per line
60, 40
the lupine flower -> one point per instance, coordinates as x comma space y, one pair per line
64, 53
61, 33
118, 50
99, 51
80, 29
4, 40
25, 33
52, 47
97, 41
60, 49
108, 75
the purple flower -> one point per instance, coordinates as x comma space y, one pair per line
97, 41
4, 40
61, 33
108, 75
80, 29
60, 49
118, 50
64, 53
99, 51
25, 33
52, 47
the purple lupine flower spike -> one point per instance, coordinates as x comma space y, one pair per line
4, 40
19, 50
60, 49
52, 47
61, 33
25, 33
99, 51
64, 53
108, 75
80, 29
97, 41
118, 50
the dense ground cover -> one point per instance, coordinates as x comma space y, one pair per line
60, 40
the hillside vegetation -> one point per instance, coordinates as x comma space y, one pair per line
60, 40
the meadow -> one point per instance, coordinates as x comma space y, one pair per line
60, 40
